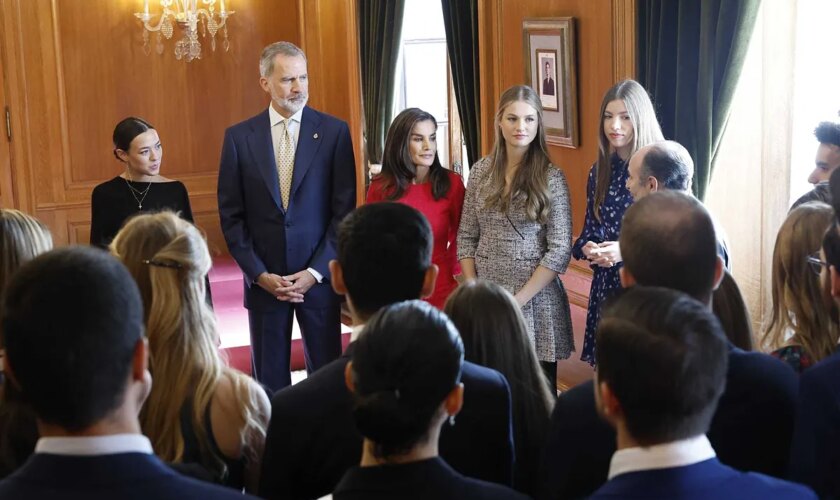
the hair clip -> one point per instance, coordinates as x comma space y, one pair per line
159, 263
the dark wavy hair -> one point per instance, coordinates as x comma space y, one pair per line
828, 133
405, 363
398, 170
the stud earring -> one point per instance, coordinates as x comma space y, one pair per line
452, 420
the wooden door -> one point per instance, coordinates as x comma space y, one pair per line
7, 198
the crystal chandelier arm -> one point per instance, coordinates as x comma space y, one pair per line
146, 18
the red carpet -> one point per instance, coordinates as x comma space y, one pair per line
226, 285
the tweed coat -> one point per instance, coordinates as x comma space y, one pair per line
507, 248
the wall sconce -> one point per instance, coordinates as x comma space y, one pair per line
192, 19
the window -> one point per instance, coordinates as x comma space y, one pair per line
423, 80
815, 79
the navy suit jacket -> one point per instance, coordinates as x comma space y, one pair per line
815, 452
260, 234
312, 439
123, 475
751, 429
700, 481
427, 479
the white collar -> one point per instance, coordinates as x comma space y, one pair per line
355, 331
274, 117
661, 456
95, 445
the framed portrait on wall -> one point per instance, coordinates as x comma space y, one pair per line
547, 64
551, 69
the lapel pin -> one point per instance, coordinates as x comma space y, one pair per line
315, 136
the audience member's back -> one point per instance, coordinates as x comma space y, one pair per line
223, 413
73, 324
668, 240
731, 310
384, 257
495, 335
405, 379
662, 362
22, 238
815, 453
801, 330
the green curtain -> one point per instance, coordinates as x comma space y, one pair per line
380, 29
690, 55
460, 19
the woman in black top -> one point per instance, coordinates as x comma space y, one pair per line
405, 379
140, 188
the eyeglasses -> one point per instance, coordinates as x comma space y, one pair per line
816, 264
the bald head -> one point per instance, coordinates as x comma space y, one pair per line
663, 165
668, 239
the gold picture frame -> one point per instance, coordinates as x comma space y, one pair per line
551, 69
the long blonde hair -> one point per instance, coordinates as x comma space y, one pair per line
531, 179
168, 258
797, 291
646, 130
22, 238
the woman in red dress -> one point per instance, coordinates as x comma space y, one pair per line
412, 174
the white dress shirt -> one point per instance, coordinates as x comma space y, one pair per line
95, 445
355, 331
661, 456
293, 126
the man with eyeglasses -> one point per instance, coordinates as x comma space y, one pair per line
815, 451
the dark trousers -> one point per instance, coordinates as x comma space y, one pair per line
550, 371
271, 336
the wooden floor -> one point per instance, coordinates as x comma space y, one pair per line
573, 371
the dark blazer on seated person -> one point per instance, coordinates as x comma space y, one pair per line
426, 479
126, 476
815, 451
700, 481
751, 429
312, 439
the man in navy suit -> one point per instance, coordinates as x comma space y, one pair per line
815, 451
384, 257
286, 179
73, 327
668, 239
662, 359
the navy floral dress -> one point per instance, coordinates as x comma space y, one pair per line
605, 280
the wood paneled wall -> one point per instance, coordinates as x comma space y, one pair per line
605, 54
74, 68
330, 39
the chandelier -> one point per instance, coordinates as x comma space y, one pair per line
193, 21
